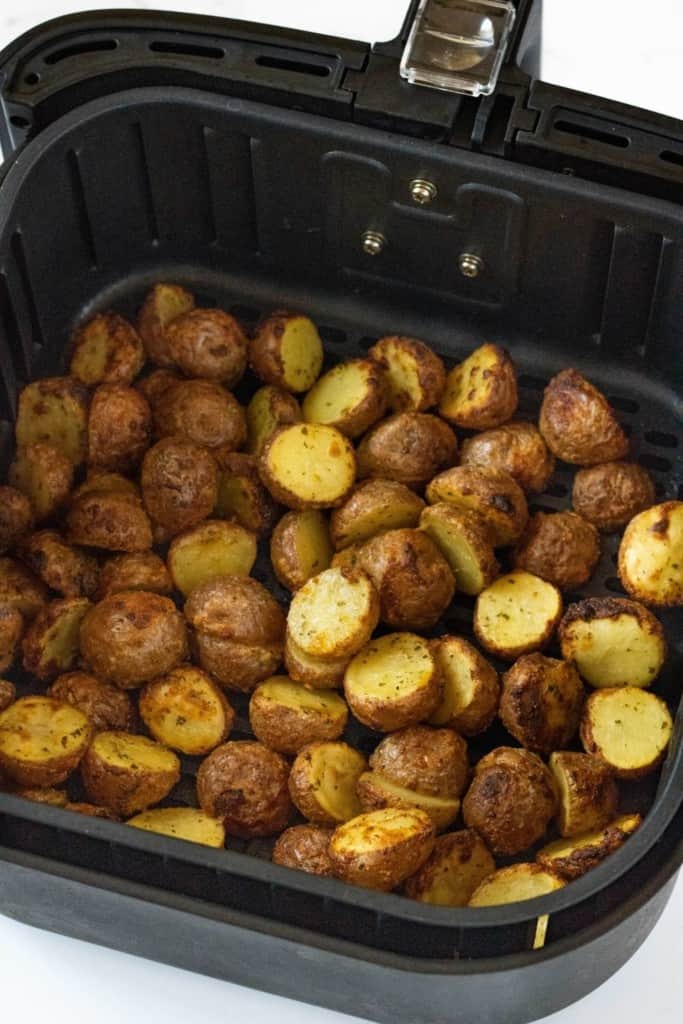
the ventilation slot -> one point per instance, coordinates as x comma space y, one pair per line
655, 462
82, 216
10, 331
670, 157
299, 67
594, 134
19, 253
187, 49
145, 183
661, 440
81, 50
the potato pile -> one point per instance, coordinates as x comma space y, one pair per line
143, 495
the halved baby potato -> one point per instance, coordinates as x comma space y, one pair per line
110, 520
516, 615
304, 848
517, 448
541, 702
471, 689
381, 849
98, 480
155, 384
141, 570
68, 570
308, 465
54, 411
242, 495
459, 862
313, 672
577, 422
186, 711
628, 728
613, 641
334, 614
20, 589
269, 409
188, 823
11, 632
587, 790
106, 350
119, 428
481, 392
285, 716
323, 781
208, 343
179, 483
51, 642
409, 447
203, 412
651, 555
463, 539
128, 773
104, 705
162, 305
42, 741
375, 506
560, 547
375, 792
51, 797
515, 883
214, 548
286, 351
415, 375
300, 547
351, 397
571, 858
491, 493
16, 517
612, 493
44, 475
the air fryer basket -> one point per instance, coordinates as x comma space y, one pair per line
255, 207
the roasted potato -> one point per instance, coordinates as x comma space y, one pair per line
373, 507
179, 484
381, 849
133, 637
208, 343
587, 790
11, 632
458, 863
517, 615
300, 547
286, 716
91, 810
515, 883
351, 397
41, 741
511, 800
109, 483
541, 702
106, 350
627, 728
163, 304
577, 422
517, 448
348, 558
186, 711
68, 570
491, 493
471, 690
44, 475
54, 411
313, 672
308, 465
305, 848
463, 539
105, 706
334, 614
481, 392
16, 517
610, 494
155, 384
213, 548
269, 409
202, 412
8, 694
415, 376
20, 589
110, 520
651, 555
560, 547
286, 351
186, 823
613, 641
127, 773
413, 579
51, 642
136, 571
323, 781
51, 797
238, 631
119, 428
375, 791
393, 682
571, 858
242, 495
244, 784
409, 447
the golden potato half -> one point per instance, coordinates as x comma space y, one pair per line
186, 711
304, 848
16, 517
42, 741
186, 823
66, 569
381, 849
308, 465
610, 494
481, 392
517, 448
651, 555
463, 539
106, 350
45, 475
628, 728
242, 495
128, 773
415, 375
163, 304
300, 547
286, 351
515, 883
351, 397
571, 858
54, 411
375, 506
491, 493
323, 782
375, 792
286, 716
516, 615
269, 409
458, 864
313, 672
541, 702
471, 690
587, 790
245, 785
409, 447
577, 422
334, 614
212, 549
51, 642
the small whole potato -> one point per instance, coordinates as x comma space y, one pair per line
133, 637
285, 716
11, 632
202, 412
381, 849
44, 475
106, 706
245, 785
127, 773
142, 570
68, 570
517, 448
16, 517
119, 428
410, 447
651, 555
179, 484
560, 547
415, 375
577, 422
163, 304
430, 761
541, 702
109, 519
511, 800
286, 351
106, 350
208, 343
305, 848
612, 493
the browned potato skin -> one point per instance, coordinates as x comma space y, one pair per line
264, 350
21, 589
115, 483
8, 693
132, 637
263, 513
284, 410
413, 579
373, 496
541, 702
303, 790
383, 869
593, 792
51, 797
511, 800
143, 570
155, 384
464, 845
179, 484
283, 552
578, 423
125, 792
119, 428
56, 475
502, 401
305, 848
482, 709
288, 730
208, 343
68, 570
16, 517
410, 447
11, 630
560, 547
202, 412
499, 499
580, 861
126, 355
245, 785
312, 672
428, 761
431, 372
518, 448
111, 520
152, 321
91, 810
612, 493
106, 706
34, 638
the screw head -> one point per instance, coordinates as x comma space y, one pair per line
422, 191
373, 242
470, 265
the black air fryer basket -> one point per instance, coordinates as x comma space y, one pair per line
263, 169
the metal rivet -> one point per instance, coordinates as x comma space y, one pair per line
423, 191
373, 242
469, 264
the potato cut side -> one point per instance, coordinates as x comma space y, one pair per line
286, 716
20, 589
517, 614
491, 493
42, 740
186, 711
333, 614
107, 349
376, 791
211, 549
628, 728
51, 643
186, 823
351, 397
651, 555
588, 793
514, 884
459, 863
54, 411
309, 465
379, 850
300, 547
463, 539
415, 375
242, 496
481, 392
301, 352
571, 858
128, 773
375, 506
269, 409
163, 304
613, 642
323, 782
471, 689
44, 475
313, 672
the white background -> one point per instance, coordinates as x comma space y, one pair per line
617, 48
